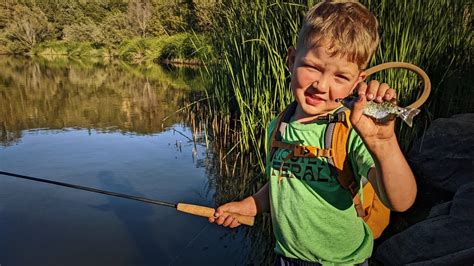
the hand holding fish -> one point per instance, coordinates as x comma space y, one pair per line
374, 110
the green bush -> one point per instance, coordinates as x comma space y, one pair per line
169, 51
184, 46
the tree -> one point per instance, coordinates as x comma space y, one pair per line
84, 31
190, 14
60, 13
140, 13
27, 27
115, 29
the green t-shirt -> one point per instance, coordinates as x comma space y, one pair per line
313, 216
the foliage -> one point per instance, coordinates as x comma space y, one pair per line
69, 49
26, 27
61, 14
83, 32
25, 23
140, 14
177, 46
141, 49
182, 47
115, 29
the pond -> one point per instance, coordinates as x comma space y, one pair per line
115, 127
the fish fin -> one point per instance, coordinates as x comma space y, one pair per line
408, 114
386, 119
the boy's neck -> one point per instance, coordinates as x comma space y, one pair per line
303, 118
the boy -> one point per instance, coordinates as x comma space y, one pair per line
313, 218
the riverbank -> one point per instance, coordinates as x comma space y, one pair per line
182, 49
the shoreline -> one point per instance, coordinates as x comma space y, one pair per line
51, 56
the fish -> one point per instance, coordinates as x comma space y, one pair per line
382, 112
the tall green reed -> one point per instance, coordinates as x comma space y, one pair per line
249, 78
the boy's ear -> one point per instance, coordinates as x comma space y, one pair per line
290, 61
362, 76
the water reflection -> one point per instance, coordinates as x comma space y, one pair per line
58, 111
109, 96
135, 218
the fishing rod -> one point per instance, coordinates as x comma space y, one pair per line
183, 207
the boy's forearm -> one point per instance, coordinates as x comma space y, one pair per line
262, 199
393, 177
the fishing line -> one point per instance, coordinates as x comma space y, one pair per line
189, 243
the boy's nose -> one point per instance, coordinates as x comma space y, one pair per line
321, 84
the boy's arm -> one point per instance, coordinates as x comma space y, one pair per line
392, 177
262, 199
250, 206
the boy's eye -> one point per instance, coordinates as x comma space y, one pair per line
342, 77
314, 68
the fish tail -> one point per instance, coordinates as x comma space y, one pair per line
408, 114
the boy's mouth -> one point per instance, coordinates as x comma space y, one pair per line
313, 99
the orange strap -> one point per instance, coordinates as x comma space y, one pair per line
303, 150
299, 151
337, 135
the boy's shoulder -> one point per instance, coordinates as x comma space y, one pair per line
271, 126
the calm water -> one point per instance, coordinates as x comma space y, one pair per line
113, 127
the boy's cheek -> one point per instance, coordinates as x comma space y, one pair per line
295, 83
303, 80
340, 93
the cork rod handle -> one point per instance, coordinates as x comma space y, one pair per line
209, 212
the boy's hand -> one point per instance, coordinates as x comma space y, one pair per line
371, 131
244, 207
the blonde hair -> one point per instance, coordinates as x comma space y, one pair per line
347, 27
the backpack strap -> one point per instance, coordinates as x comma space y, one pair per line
296, 149
336, 138
277, 135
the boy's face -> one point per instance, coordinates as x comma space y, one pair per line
317, 80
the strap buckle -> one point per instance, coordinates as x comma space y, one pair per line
311, 151
333, 118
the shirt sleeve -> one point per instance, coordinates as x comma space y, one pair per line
270, 128
360, 158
